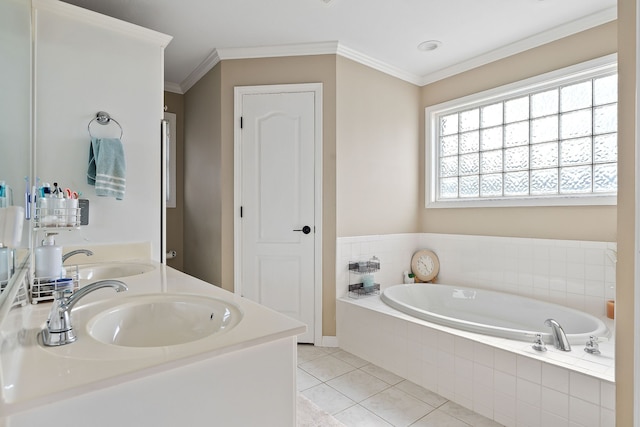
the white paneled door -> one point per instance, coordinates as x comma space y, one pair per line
278, 196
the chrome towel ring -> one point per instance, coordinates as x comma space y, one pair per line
104, 118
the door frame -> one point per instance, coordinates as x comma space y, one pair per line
239, 91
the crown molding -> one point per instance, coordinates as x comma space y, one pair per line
377, 65
173, 87
573, 27
302, 49
202, 69
337, 48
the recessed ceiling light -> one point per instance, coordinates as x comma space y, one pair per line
429, 45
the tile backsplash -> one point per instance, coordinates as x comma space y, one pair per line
577, 274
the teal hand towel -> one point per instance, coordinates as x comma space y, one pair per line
107, 167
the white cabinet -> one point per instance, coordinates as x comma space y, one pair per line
85, 63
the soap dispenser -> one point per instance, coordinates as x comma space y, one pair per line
48, 258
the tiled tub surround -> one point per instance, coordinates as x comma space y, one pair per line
577, 274
501, 379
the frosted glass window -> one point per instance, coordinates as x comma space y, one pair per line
491, 161
575, 97
545, 103
449, 145
469, 120
469, 142
516, 134
547, 140
492, 115
469, 164
516, 109
544, 182
491, 185
544, 155
449, 124
490, 139
469, 186
545, 129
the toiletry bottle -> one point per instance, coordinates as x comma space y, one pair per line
48, 258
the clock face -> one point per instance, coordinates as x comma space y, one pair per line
425, 265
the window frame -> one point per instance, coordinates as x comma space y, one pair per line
585, 70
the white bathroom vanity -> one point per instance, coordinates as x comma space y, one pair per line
243, 375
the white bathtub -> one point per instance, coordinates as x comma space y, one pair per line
491, 313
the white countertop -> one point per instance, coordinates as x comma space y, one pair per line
33, 375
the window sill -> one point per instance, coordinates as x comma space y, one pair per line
586, 200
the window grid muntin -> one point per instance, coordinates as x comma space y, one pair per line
531, 170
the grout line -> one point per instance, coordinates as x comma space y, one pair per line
389, 386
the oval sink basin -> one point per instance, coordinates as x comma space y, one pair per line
112, 270
163, 320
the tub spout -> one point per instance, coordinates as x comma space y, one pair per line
560, 340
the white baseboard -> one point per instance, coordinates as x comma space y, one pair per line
329, 342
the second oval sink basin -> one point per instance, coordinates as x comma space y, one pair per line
163, 320
112, 270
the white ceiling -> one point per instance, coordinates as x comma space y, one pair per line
383, 34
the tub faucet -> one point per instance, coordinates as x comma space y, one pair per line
59, 330
68, 255
560, 340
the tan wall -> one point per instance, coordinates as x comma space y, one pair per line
625, 271
175, 216
377, 125
288, 70
583, 223
202, 179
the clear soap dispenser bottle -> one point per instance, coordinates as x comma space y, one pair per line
48, 258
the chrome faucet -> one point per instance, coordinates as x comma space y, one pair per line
68, 255
59, 330
560, 340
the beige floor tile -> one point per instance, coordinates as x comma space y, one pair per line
326, 368
305, 380
336, 380
421, 393
439, 418
397, 407
357, 416
384, 375
467, 415
358, 385
350, 358
308, 352
328, 399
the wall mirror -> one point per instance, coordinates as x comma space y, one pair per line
15, 117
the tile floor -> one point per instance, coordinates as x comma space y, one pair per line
358, 393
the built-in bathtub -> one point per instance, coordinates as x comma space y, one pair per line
492, 313
503, 379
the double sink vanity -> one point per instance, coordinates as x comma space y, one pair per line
168, 350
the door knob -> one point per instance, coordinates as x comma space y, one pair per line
306, 229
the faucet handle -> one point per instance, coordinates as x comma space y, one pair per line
592, 346
538, 344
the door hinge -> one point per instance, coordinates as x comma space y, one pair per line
240, 211
240, 122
